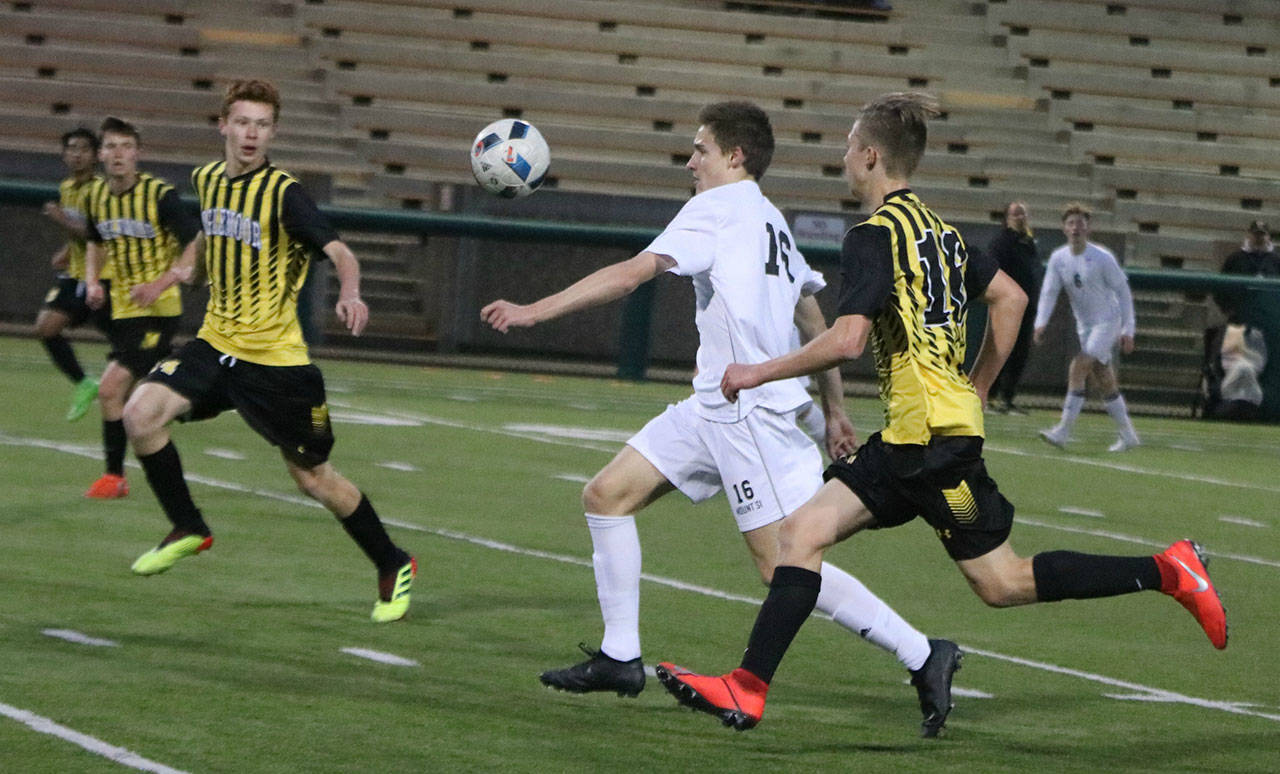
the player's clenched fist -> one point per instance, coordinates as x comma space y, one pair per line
501, 315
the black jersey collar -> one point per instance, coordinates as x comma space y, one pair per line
246, 175
901, 193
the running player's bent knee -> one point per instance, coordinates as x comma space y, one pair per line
600, 496
141, 416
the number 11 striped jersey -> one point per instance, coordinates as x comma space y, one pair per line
910, 273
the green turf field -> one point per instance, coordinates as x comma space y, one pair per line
233, 661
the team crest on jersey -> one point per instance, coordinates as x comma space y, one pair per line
150, 340
320, 418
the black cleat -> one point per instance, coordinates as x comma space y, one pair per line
598, 673
933, 685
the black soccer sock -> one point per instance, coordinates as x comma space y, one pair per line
164, 473
364, 527
114, 442
1071, 575
64, 357
792, 595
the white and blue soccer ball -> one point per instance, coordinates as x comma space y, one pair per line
509, 158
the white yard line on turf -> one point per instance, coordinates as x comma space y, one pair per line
1132, 469
79, 638
94, 745
1238, 708
1232, 707
380, 657
1033, 522
1082, 512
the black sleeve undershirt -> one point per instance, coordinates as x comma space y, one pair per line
303, 220
175, 216
866, 270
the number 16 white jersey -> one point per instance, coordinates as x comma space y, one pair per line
748, 276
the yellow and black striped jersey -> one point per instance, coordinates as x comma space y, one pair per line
71, 193
910, 273
260, 229
142, 231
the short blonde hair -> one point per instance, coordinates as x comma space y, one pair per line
895, 125
1077, 208
251, 90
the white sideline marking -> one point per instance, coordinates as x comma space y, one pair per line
364, 418
1136, 540
972, 693
96, 746
1082, 512
1186, 447
1232, 707
401, 466
380, 657
457, 425
1132, 469
464, 397
572, 478
576, 433
1243, 521
79, 638
226, 454
1156, 694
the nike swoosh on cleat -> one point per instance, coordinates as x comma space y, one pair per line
1201, 583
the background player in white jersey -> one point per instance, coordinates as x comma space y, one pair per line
753, 289
1103, 307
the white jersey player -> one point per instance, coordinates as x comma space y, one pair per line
1100, 300
753, 288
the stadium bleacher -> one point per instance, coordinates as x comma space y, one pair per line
1162, 115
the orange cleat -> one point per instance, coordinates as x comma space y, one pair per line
109, 487
1186, 579
736, 698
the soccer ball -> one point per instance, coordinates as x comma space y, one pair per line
509, 158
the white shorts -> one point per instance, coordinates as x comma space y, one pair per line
765, 464
1099, 341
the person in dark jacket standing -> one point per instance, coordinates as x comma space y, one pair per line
1018, 255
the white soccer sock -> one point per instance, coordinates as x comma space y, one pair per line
856, 608
1071, 407
1119, 412
615, 556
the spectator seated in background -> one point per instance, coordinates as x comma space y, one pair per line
1239, 364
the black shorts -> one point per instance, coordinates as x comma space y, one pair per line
946, 482
138, 343
283, 404
68, 297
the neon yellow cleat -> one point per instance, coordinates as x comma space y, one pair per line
393, 593
165, 555
85, 391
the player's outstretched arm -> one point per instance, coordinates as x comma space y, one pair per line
843, 341
74, 227
599, 287
1005, 304
841, 438
351, 309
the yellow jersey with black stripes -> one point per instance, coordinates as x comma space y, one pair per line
910, 273
260, 230
141, 230
71, 198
